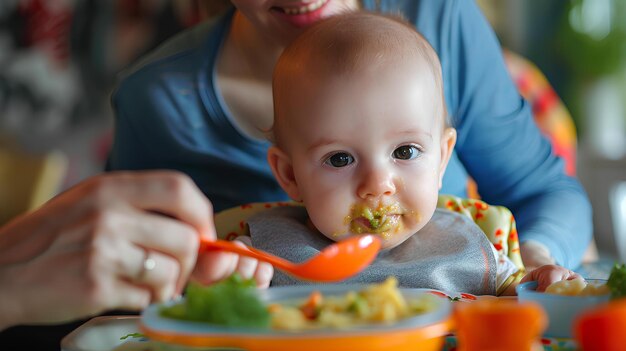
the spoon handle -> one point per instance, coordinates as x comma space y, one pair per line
225, 245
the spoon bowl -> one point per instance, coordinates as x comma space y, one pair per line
336, 262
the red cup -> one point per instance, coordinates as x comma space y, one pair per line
602, 328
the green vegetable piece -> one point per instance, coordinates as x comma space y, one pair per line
359, 306
617, 281
132, 335
232, 302
375, 223
366, 212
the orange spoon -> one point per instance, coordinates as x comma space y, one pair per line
336, 262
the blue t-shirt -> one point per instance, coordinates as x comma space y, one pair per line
170, 115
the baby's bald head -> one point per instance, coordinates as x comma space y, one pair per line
343, 45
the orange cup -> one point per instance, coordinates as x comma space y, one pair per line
602, 328
499, 324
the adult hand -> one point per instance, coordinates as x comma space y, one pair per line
116, 241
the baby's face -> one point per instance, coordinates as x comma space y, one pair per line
368, 151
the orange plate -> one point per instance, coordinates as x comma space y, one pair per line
423, 332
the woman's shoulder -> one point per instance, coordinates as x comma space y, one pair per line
416, 11
175, 65
195, 44
438, 21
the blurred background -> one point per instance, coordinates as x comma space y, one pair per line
59, 60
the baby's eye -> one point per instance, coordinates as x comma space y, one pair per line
340, 159
406, 152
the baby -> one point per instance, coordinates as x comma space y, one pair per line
362, 140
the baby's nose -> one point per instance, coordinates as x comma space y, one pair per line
376, 183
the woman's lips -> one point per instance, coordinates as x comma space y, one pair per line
304, 8
302, 15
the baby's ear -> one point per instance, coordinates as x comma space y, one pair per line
281, 166
448, 140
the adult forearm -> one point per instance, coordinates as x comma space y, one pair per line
561, 220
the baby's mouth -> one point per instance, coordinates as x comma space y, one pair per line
383, 219
375, 226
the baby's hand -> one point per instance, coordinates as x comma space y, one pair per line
548, 274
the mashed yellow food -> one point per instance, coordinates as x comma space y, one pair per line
576, 287
378, 303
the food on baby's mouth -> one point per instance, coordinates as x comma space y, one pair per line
364, 219
577, 287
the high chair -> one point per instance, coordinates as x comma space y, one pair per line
27, 180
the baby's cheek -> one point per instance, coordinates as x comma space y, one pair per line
413, 218
331, 226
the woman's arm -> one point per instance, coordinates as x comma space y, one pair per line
502, 148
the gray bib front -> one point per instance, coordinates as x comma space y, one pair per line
450, 253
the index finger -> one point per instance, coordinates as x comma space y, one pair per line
167, 192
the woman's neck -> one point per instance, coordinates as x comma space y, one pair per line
252, 54
244, 77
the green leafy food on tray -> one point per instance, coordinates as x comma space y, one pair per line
132, 335
617, 281
232, 302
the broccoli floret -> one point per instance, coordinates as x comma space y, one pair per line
232, 302
617, 281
